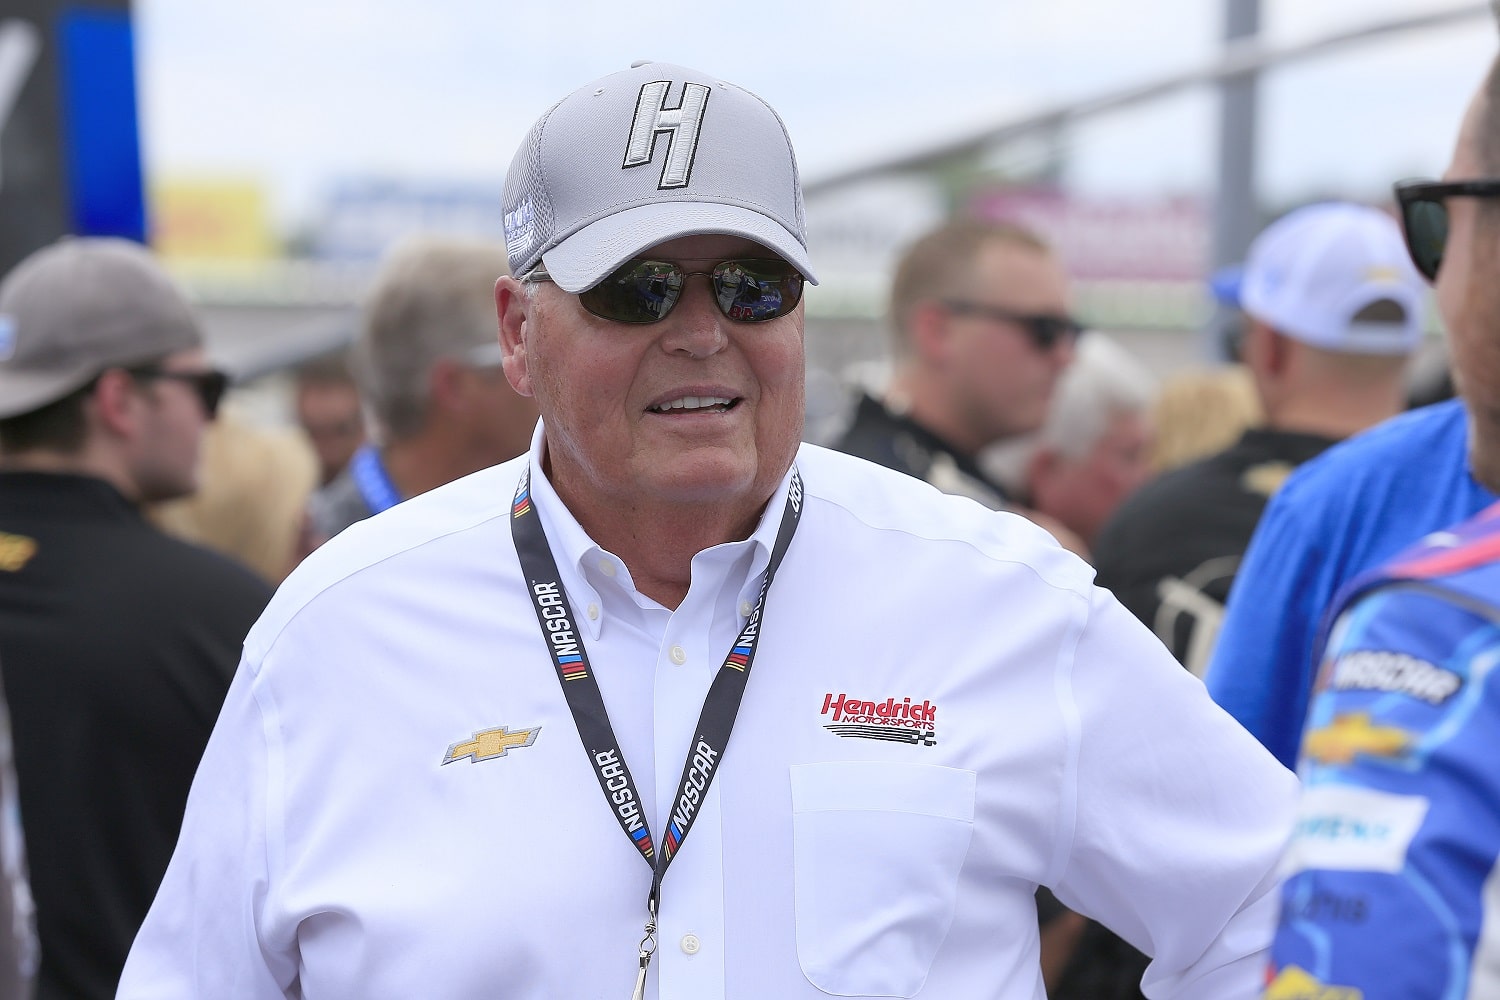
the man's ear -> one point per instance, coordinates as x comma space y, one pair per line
116, 403
929, 331
514, 307
445, 382
1041, 467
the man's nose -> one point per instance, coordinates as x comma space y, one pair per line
696, 325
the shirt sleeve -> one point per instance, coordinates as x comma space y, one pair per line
203, 936
1178, 815
1262, 666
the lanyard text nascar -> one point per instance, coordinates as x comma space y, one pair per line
555, 617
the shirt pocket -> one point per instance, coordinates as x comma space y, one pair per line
879, 848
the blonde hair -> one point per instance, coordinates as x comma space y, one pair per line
1202, 411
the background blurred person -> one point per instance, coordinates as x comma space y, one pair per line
254, 484
1364, 500
326, 398
982, 332
118, 641
428, 360
1094, 450
1199, 412
1333, 312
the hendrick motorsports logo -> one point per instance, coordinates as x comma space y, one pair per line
897, 721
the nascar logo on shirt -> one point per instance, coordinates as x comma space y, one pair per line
897, 721
1397, 673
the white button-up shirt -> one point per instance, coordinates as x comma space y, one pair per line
943, 713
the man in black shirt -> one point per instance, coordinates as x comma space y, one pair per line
1333, 311
118, 642
982, 333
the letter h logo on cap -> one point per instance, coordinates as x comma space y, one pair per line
683, 122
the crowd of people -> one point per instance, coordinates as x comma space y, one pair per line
1069, 682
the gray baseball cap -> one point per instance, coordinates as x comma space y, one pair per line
82, 305
644, 156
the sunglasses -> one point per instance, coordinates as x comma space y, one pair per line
1424, 216
210, 385
1046, 331
645, 291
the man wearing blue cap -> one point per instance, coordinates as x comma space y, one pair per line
479, 746
1333, 311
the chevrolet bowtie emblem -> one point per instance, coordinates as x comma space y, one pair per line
491, 743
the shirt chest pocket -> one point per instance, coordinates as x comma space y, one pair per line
879, 848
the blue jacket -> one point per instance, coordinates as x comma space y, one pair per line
1392, 866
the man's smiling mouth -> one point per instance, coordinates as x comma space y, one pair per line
696, 404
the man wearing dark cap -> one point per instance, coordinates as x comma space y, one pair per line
118, 642
479, 745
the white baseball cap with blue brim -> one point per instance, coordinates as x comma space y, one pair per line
644, 156
1314, 271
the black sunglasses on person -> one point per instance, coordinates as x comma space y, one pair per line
749, 290
1045, 330
209, 385
1424, 216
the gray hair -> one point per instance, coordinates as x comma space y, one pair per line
433, 298
1103, 381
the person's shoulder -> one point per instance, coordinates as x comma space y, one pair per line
193, 566
1426, 435
881, 509
335, 505
389, 543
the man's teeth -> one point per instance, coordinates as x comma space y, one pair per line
694, 403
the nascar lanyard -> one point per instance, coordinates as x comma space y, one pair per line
555, 617
375, 486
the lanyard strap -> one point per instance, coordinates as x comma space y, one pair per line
571, 659
375, 486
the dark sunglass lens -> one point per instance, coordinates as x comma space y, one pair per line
1427, 235
753, 291
640, 292
211, 388
1048, 331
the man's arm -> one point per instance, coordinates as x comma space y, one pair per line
203, 936
1178, 816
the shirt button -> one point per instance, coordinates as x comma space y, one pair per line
606, 567
679, 657
745, 608
690, 944
593, 612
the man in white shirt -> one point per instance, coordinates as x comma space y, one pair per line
479, 744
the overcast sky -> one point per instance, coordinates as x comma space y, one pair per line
301, 93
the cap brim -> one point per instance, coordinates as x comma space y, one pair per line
21, 392
1227, 283
584, 259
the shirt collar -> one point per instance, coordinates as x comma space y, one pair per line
579, 557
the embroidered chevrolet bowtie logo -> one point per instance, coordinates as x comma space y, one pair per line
491, 743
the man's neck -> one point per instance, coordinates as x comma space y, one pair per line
424, 462
914, 398
82, 463
1484, 452
1336, 417
658, 542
